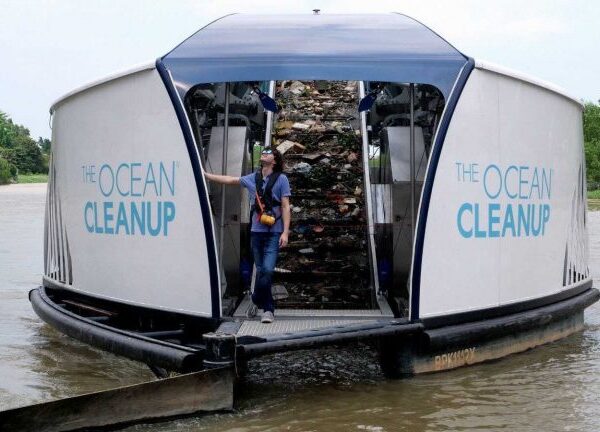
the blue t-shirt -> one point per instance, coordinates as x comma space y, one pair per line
281, 189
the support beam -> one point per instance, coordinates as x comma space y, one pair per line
412, 163
224, 172
367, 191
269, 124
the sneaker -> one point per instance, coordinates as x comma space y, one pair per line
267, 318
251, 312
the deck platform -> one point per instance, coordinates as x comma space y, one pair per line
299, 320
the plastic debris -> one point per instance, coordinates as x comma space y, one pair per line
286, 145
281, 270
297, 88
343, 209
312, 156
279, 292
302, 167
300, 126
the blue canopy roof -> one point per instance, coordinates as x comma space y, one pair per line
386, 47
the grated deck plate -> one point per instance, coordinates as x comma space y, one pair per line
282, 326
322, 314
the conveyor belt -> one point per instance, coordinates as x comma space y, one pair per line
327, 263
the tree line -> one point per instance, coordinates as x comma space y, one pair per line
591, 138
19, 153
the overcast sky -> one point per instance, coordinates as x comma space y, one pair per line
49, 47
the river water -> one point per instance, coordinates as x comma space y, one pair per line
552, 388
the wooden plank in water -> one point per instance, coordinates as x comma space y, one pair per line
204, 391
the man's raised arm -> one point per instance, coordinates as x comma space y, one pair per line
223, 179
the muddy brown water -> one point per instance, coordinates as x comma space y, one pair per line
554, 387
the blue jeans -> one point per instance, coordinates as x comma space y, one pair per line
265, 246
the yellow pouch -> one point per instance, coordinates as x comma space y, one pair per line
267, 219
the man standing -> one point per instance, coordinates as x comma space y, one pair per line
270, 223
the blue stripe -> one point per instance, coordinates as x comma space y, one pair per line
428, 187
199, 177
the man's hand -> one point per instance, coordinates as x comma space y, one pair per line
283, 239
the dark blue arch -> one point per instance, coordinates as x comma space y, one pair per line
428, 187
215, 292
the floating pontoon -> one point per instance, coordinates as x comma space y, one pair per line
471, 202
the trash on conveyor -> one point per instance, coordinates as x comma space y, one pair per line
326, 262
286, 145
279, 292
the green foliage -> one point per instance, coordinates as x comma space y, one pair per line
592, 161
29, 155
7, 171
20, 150
32, 178
591, 137
591, 121
6, 130
45, 162
10, 154
44, 144
594, 194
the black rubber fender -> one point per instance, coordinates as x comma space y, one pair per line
117, 341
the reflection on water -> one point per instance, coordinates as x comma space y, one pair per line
555, 387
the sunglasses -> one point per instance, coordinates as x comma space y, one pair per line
267, 151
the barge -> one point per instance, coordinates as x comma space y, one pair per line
460, 186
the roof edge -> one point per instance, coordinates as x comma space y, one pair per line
434, 32
199, 30
501, 70
113, 76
